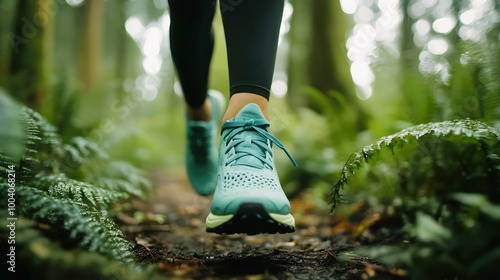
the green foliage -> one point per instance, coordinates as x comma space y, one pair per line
435, 183
12, 132
441, 179
318, 139
422, 152
469, 250
81, 223
60, 186
47, 260
71, 187
485, 67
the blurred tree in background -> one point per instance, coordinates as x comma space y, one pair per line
28, 48
318, 57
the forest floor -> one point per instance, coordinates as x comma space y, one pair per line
171, 235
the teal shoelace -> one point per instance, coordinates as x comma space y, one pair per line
239, 139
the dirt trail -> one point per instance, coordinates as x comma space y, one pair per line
172, 236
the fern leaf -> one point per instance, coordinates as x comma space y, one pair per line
126, 177
87, 148
467, 130
84, 224
60, 186
43, 258
44, 132
71, 203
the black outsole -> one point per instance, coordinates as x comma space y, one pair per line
251, 219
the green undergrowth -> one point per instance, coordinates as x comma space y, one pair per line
442, 181
64, 195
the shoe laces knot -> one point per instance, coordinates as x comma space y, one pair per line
241, 136
249, 125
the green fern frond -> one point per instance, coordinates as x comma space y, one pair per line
28, 166
80, 149
41, 258
40, 138
462, 131
119, 186
4, 162
60, 186
91, 229
124, 177
41, 131
72, 186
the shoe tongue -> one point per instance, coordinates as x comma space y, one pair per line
250, 112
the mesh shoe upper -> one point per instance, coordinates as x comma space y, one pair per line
247, 172
201, 148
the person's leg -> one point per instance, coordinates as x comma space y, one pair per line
252, 32
191, 45
249, 197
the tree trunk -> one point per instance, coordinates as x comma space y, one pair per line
30, 66
318, 56
8, 12
121, 53
329, 67
299, 36
92, 44
407, 48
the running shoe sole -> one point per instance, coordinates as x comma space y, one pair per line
251, 219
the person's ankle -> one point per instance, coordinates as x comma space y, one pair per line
239, 100
202, 113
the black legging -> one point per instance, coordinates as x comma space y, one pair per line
251, 28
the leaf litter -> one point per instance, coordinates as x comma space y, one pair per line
170, 235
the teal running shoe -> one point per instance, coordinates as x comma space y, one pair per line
249, 198
201, 150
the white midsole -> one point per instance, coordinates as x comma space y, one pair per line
284, 219
214, 221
